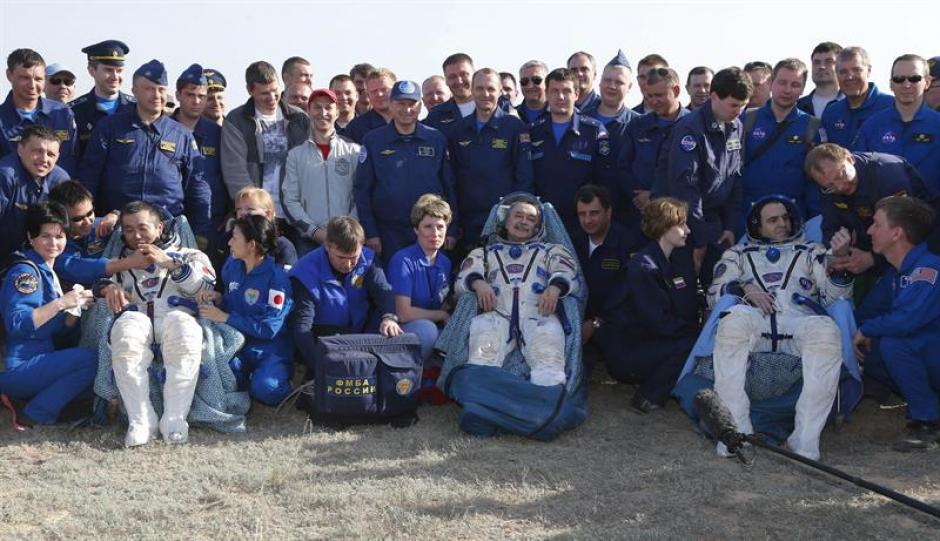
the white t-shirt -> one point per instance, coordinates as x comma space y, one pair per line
467, 109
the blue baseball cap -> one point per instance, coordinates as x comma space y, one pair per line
193, 75
215, 79
406, 90
109, 51
153, 71
53, 69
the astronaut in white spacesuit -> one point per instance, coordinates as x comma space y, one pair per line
154, 311
785, 283
518, 281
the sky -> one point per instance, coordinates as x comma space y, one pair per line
413, 37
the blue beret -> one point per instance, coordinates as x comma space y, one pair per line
215, 79
153, 71
193, 75
620, 60
109, 51
406, 90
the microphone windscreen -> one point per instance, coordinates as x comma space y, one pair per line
717, 418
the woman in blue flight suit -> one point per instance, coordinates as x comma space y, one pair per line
256, 302
35, 310
420, 273
650, 322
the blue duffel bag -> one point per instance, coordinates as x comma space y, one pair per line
364, 379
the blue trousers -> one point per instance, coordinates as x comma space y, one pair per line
911, 366
426, 331
265, 373
49, 381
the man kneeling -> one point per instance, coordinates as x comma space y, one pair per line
150, 317
518, 280
780, 276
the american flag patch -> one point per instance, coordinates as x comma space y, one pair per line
922, 274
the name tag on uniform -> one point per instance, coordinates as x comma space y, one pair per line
923, 138
679, 282
500, 144
580, 156
124, 141
427, 152
207, 151
795, 139
61, 135
168, 146
610, 264
733, 144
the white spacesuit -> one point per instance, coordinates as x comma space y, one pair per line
519, 271
155, 319
794, 272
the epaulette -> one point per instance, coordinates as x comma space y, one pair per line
78, 101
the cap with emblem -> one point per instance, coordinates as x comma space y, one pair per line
215, 79
620, 60
55, 69
110, 51
406, 90
323, 92
193, 75
933, 65
153, 71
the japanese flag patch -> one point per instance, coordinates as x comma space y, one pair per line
276, 298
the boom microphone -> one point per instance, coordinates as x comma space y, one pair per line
720, 423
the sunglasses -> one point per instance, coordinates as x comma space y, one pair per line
62, 81
80, 219
898, 79
535, 79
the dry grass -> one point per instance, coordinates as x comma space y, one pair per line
618, 476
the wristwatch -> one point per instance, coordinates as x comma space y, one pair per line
390, 317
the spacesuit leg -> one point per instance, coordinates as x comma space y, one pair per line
738, 335
817, 340
181, 345
489, 333
131, 338
544, 350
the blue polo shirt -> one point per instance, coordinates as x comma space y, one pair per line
917, 141
413, 276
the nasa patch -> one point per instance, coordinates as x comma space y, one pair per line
687, 143
758, 133
889, 138
720, 270
363, 154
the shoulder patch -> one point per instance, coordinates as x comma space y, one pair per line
362, 154
26, 283
688, 143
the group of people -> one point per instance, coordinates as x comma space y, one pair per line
336, 209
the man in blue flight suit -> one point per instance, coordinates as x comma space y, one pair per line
643, 153
458, 74
340, 288
532, 83
489, 153
843, 119
647, 64
850, 185
611, 109
899, 322
215, 96
704, 169
584, 67
106, 67
192, 88
910, 128
603, 248
25, 179
569, 150
399, 163
144, 155
25, 106
378, 86
777, 138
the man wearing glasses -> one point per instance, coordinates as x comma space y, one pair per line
60, 83
850, 185
532, 81
645, 65
911, 128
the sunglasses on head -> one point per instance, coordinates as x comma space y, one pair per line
535, 79
898, 79
62, 81
80, 219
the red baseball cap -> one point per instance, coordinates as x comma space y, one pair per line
322, 92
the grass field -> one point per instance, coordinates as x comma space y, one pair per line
620, 475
